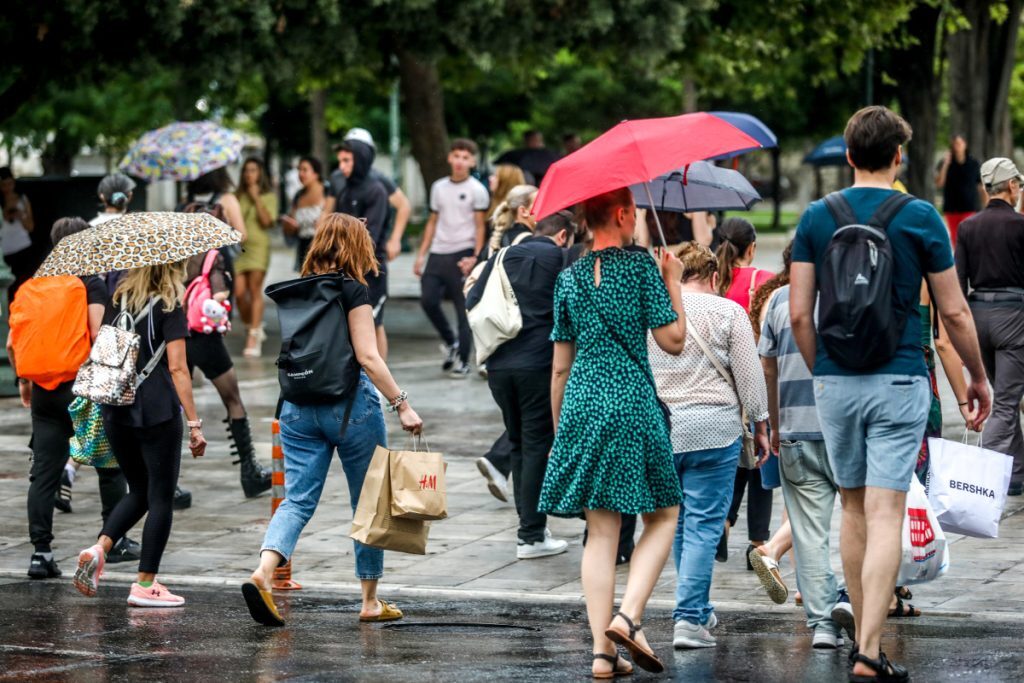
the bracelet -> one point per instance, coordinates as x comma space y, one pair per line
195, 424
397, 401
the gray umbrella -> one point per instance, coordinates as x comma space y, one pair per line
701, 186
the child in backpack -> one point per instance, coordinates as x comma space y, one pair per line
207, 351
51, 422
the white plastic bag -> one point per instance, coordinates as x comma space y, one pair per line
967, 486
925, 553
496, 318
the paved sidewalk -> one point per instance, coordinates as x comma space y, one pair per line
471, 553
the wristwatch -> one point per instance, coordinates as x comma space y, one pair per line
195, 424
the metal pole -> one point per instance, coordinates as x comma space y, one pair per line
657, 221
395, 137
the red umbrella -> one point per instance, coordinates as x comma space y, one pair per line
636, 152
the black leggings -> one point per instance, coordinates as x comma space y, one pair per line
759, 504
442, 279
150, 458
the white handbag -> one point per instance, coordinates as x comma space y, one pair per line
967, 486
496, 318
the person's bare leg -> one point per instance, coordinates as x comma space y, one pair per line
597, 573
264, 574
227, 386
780, 543
647, 564
242, 298
382, 342
883, 519
371, 605
852, 537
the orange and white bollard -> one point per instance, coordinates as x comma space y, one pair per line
282, 575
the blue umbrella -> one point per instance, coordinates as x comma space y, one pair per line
701, 186
832, 152
752, 126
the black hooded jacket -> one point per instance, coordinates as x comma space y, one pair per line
365, 197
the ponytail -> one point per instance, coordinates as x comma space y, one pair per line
737, 236
504, 216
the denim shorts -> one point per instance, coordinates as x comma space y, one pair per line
873, 426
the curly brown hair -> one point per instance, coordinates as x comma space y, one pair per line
765, 291
343, 243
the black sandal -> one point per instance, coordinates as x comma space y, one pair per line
904, 592
903, 610
616, 670
642, 657
885, 671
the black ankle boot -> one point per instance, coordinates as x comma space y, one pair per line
255, 479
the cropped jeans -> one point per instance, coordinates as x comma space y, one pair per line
705, 478
310, 434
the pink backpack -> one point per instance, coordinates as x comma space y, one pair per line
205, 314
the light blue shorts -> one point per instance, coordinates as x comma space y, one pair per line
873, 426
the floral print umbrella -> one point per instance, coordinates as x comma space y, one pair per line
182, 151
134, 240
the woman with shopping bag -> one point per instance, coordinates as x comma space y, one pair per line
330, 371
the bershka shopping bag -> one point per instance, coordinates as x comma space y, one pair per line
418, 489
373, 523
925, 553
967, 486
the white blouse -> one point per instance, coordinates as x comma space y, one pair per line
705, 411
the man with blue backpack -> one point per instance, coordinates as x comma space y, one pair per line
861, 254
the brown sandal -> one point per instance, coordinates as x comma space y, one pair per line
616, 670
642, 657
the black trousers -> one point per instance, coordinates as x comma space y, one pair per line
442, 279
524, 397
500, 454
51, 429
150, 458
759, 504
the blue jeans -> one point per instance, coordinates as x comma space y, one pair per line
705, 478
309, 436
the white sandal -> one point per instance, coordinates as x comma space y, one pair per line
257, 350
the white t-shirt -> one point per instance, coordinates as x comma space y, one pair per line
103, 217
455, 205
13, 235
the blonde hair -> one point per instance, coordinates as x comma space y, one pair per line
508, 176
139, 285
699, 263
519, 197
343, 243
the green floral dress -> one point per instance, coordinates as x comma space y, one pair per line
612, 449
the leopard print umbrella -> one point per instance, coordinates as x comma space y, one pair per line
135, 240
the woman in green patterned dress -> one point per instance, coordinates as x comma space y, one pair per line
612, 454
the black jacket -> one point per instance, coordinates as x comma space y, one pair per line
365, 197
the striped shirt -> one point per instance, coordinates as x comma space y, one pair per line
798, 417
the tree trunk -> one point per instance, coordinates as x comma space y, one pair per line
318, 126
981, 63
423, 106
918, 95
689, 95
58, 156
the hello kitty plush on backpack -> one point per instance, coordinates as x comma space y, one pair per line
205, 314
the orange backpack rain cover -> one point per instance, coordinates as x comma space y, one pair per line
50, 329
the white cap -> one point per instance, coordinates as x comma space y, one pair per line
361, 135
998, 170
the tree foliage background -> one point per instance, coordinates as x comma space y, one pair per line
83, 73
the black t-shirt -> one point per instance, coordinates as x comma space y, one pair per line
960, 193
156, 400
95, 290
354, 294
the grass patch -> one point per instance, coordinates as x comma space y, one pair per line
762, 219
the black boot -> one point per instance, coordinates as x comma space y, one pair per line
255, 479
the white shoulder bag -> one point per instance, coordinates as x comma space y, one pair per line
496, 318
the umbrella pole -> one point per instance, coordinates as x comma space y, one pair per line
657, 221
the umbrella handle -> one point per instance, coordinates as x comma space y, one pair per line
657, 221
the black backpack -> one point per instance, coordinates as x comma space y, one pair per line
317, 363
859, 317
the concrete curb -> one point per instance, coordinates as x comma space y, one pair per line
331, 588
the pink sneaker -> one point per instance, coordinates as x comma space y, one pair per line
156, 595
90, 568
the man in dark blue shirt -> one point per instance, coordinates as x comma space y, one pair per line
519, 373
873, 420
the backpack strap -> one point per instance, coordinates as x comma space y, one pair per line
888, 209
211, 258
842, 212
753, 288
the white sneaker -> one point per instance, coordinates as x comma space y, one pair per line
712, 622
842, 615
686, 635
549, 546
497, 483
824, 639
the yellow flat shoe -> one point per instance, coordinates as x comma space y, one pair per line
261, 605
388, 612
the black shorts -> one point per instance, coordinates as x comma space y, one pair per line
208, 353
377, 290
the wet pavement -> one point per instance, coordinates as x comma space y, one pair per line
53, 633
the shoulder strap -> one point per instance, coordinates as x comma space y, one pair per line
753, 287
842, 212
888, 209
691, 330
520, 237
151, 365
211, 258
